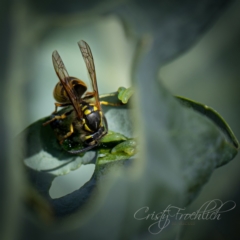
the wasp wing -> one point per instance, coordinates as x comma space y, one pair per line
88, 58
64, 78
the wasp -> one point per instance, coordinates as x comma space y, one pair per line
85, 118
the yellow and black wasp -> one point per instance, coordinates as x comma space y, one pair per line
84, 118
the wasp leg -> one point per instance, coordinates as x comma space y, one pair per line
111, 104
68, 134
57, 117
60, 105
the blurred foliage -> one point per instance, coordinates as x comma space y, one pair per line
178, 148
46, 159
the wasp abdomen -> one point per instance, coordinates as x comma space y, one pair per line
60, 94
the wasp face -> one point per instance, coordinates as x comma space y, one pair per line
92, 124
92, 118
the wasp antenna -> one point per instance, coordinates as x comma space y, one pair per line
83, 149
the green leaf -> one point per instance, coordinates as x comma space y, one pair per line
127, 146
212, 115
113, 137
45, 159
124, 94
43, 153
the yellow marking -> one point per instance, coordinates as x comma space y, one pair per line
111, 104
91, 104
87, 111
67, 135
83, 121
101, 124
87, 128
95, 108
84, 107
87, 137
